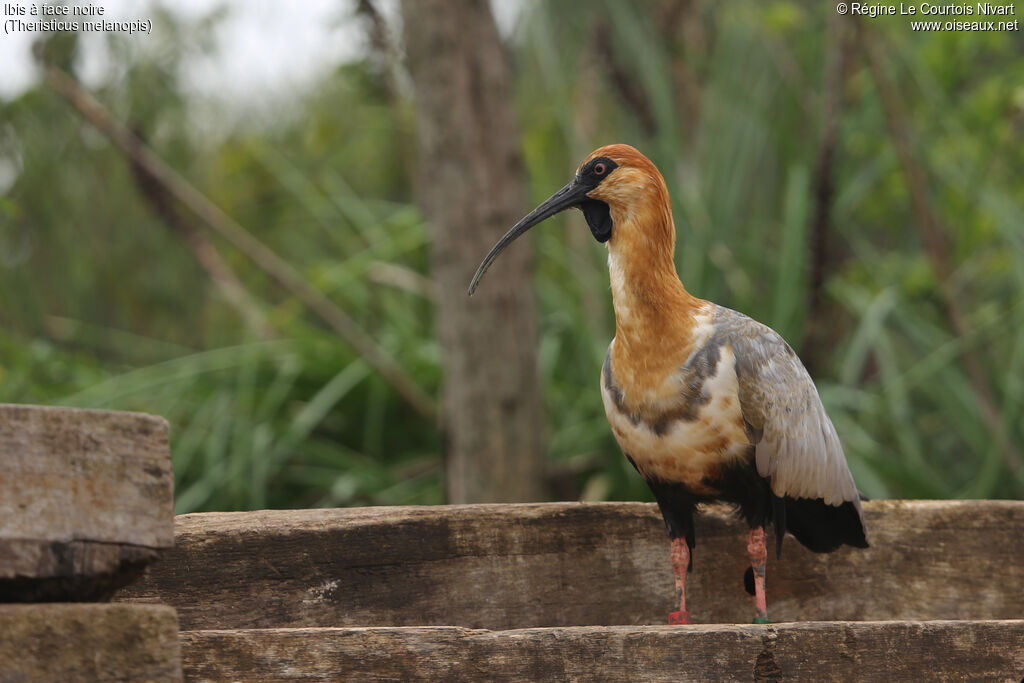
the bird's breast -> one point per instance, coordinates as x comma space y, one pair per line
681, 425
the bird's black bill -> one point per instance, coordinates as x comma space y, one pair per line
569, 196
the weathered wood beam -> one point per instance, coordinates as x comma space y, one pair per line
89, 642
573, 564
86, 500
816, 651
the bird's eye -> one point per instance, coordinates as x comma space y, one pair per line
600, 168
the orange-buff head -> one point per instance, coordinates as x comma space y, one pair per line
618, 190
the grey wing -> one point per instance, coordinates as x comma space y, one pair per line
796, 445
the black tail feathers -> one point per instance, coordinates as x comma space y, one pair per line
823, 528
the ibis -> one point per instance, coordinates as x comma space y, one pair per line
707, 404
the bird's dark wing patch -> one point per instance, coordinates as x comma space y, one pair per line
693, 376
702, 365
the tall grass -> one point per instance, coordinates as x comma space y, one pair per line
300, 419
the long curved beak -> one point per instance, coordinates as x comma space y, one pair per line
569, 196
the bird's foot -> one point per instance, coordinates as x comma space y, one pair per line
680, 617
761, 620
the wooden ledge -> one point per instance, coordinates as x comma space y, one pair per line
815, 651
89, 642
573, 564
86, 500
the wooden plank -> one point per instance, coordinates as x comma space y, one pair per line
573, 564
92, 475
86, 500
817, 651
89, 642
50, 571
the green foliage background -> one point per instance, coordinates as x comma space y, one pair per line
102, 305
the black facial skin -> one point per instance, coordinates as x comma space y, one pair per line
596, 212
599, 218
591, 175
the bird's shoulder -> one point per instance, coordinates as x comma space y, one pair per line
770, 375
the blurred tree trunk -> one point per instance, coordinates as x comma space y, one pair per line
471, 185
824, 329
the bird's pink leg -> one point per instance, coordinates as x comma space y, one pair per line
680, 565
758, 553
